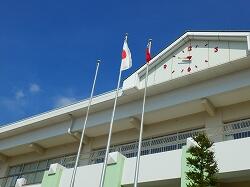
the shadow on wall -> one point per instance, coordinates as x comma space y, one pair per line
236, 184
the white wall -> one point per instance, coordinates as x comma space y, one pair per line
203, 56
88, 176
233, 155
213, 124
155, 167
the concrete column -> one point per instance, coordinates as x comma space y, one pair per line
85, 153
184, 167
3, 168
114, 170
214, 126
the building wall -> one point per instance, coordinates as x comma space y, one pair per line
167, 166
153, 130
83, 176
236, 112
160, 166
163, 128
213, 124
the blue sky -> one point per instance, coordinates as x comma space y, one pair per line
48, 48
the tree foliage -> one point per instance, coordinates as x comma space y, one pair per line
202, 164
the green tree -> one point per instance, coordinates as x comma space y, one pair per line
202, 164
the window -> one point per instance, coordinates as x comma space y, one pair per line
236, 130
149, 145
33, 172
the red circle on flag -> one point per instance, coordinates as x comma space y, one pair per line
124, 54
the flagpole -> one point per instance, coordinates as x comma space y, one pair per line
72, 182
110, 133
111, 126
141, 126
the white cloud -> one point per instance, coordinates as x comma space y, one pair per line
62, 101
34, 88
13, 105
19, 94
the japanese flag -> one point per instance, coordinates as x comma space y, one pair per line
126, 56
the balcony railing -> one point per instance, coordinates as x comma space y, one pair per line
149, 146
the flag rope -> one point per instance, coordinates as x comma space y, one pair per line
72, 182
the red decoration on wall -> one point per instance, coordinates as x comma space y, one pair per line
216, 49
165, 66
189, 57
189, 69
190, 48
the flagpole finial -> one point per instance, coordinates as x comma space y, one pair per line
98, 62
126, 36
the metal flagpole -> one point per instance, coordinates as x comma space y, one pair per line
72, 182
141, 126
110, 132
112, 117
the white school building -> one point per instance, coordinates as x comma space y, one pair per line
199, 83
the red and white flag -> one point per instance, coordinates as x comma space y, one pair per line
126, 56
148, 52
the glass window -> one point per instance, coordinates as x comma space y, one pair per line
42, 165
38, 177
236, 130
15, 170
30, 167
33, 172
